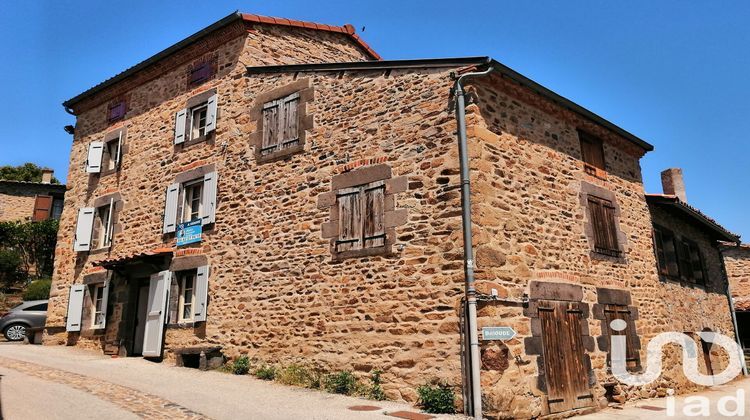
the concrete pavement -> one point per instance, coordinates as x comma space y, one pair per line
64, 383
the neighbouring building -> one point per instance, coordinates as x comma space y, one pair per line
31, 201
737, 263
688, 251
276, 189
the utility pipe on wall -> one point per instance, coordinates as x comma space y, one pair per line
471, 293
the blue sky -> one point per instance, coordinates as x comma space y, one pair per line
675, 73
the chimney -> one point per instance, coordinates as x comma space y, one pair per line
47, 176
673, 184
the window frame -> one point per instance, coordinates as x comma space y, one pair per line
185, 203
182, 279
197, 132
97, 306
103, 226
57, 208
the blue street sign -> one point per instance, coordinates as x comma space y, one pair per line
189, 232
498, 333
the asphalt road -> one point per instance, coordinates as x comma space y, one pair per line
41, 382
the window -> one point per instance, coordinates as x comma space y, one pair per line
678, 259
98, 299
604, 225
280, 124
57, 208
198, 118
42, 208
361, 217
116, 111
103, 222
42, 307
187, 296
592, 151
112, 154
192, 200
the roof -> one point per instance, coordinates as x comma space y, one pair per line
30, 183
721, 233
346, 29
133, 258
479, 62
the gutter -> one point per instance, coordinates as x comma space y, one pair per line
472, 351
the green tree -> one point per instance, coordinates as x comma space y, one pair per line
26, 249
29, 172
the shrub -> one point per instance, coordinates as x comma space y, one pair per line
10, 268
341, 383
266, 372
294, 375
437, 399
376, 391
37, 290
241, 366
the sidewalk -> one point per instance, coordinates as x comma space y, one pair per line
79, 384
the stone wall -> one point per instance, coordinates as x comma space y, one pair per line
527, 180
737, 263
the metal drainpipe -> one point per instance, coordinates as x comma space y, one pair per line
731, 311
471, 293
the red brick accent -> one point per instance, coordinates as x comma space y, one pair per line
193, 165
557, 275
362, 162
188, 251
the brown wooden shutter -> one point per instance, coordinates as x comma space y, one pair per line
604, 226
670, 253
289, 121
566, 375
374, 207
42, 208
613, 312
592, 151
683, 258
270, 128
696, 260
350, 219
661, 257
611, 225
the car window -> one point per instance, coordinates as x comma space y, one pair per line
40, 307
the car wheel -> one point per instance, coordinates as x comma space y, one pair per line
15, 332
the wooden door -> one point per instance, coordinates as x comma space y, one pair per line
566, 373
158, 294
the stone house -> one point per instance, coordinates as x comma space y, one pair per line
26, 201
737, 264
274, 188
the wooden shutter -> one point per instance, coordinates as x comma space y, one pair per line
288, 121
201, 293
94, 159
170, 208
374, 212
604, 225
105, 298
592, 151
180, 121
42, 208
661, 258
565, 371
158, 294
75, 307
613, 312
84, 228
683, 258
211, 112
611, 225
696, 260
209, 198
270, 141
350, 219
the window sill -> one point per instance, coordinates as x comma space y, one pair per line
595, 172
280, 154
368, 252
100, 250
609, 257
183, 325
677, 281
108, 172
206, 138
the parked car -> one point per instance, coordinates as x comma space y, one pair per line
30, 314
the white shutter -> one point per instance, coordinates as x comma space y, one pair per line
84, 227
209, 198
170, 208
94, 160
119, 149
211, 114
108, 231
179, 126
75, 307
201, 293
158, 294
105, 297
